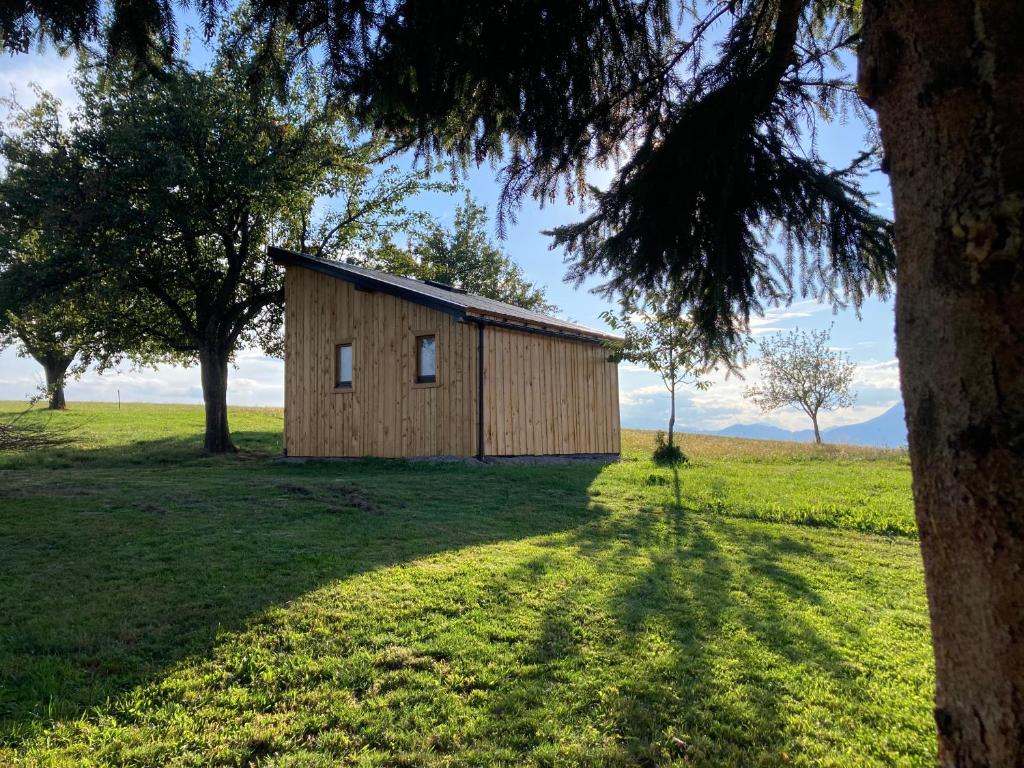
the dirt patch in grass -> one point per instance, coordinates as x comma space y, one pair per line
338, 496
356, 497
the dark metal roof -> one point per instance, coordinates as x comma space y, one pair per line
438, 296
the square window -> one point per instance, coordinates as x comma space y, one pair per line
343, 366
426, 359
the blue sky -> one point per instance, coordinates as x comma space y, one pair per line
258, 380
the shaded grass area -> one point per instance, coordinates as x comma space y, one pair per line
159, 606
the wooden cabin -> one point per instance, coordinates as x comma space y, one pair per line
379, 365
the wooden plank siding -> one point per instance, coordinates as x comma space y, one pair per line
548, 395
385, 413
542, 394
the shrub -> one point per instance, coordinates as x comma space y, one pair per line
665, 453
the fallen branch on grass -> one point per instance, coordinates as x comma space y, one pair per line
19, 435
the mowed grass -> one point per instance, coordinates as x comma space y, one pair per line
833, 486
761, 605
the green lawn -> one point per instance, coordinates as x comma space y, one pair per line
763, 605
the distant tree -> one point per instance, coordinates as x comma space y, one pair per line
464, 256
800, 369
659, 336
186, 176
39, 312
53, 336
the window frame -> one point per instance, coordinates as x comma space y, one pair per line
419, 381
340, 387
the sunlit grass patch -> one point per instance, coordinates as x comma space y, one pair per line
173, 608
864, 489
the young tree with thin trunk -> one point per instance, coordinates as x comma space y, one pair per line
659, 336
800, 369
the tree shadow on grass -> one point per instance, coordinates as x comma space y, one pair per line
177, 451
120, 562
706, 625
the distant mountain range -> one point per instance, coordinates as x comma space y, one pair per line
886, 431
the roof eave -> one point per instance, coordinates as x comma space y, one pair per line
286, 257
557, 330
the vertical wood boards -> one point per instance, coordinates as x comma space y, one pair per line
385, 413
548, 395
542, 394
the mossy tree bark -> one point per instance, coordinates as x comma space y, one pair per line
947, 82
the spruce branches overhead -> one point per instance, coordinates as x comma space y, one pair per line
706, 112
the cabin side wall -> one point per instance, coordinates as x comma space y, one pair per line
548, 395
385, 413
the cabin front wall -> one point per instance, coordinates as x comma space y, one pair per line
543, 394
386, 413
548, 395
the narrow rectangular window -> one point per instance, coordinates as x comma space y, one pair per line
426, 359
343, 366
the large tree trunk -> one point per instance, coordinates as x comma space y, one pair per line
56, 370
817, 432
213, 366
947, 81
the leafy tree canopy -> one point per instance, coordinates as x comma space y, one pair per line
44, 308
463, 256
53, 329
183, 177
801, 369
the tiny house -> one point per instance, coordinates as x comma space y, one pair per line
379, 365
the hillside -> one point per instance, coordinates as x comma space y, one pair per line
761, 605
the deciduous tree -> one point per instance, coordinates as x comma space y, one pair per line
41, 311
463, 256
185, 176
53, 336
800, 369
658, 335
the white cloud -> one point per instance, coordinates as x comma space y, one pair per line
632, 368
878, 375
775, 318
641, 395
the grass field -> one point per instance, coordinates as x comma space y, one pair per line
763, 605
